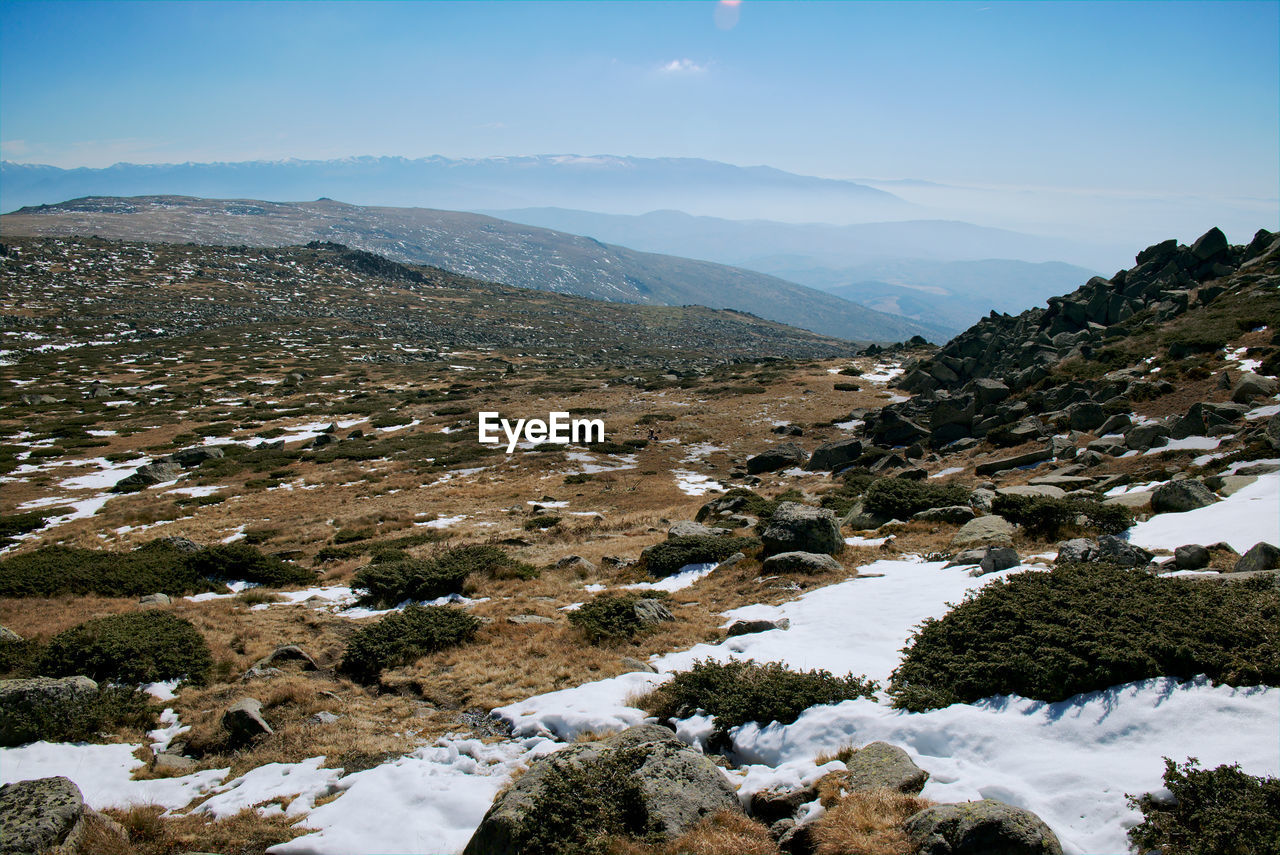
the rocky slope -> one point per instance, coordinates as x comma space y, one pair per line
471, 245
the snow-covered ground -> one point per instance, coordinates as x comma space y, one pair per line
1071, 762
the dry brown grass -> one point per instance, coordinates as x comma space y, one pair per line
868, 822
723, 833
149, 832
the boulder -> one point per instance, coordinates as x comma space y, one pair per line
1252, 386
750, 627
578, 564
1030, 458
1085, 416
952, 515
880, 764
989, 392
155, 600
1139, 502
981, 499
1210, 245
1146, 436
1179, 496
806, 563
1261, 556
1047, 490
997, 558
640, 781
652, 612
770, 806
991, 530
529, 620
7, 634
987, 827
37, 699
687, 528
800, 528
1273, 431
1122, 552
145, 476
1193, 556
41, 815
1077, 550
833, 456
633, 664
192, 457
244, 723
269, 665
183, 544
779, 457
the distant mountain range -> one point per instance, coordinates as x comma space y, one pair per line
598, 183
946, 272
477, 246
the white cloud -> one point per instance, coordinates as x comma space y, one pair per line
682, 66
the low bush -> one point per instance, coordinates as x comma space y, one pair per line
669, 556
137, 647
739, 691
1220, 811
1085, 627
611, 617
16, 656
1050, 518
386, 583
12, 525
899, 498
241, 562
351, 535
114, 706
539, 523
403, 637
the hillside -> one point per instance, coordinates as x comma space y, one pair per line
471, 245
244, 491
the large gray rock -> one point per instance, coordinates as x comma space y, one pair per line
244, 723
1192, 556
779, 457
1122, 552
269, 665
952, 515
987, 827
1046, 490
835, 455
1077, 550
640, 781
1261, 556
800, 528
188, 458
652, 612
992, 530
26, 703
1030, 458
883, 765
807, 563
7, 634
1252, 386
997, 558
1179, 496
750, 627
145, 476
688, 528
41, 816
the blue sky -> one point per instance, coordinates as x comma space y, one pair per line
1132, 96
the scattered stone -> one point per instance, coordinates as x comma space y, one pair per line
731, 560
800, 528
633, 664
1117, 551
244, 723
834, 456
44, 698
997, 558
1251, 387
1261, 556
173, 763
577, 564
530, 620
1138, 502
987, 827
676, 788
183, 544
1077, 550
807, 563
41, 815
687, 528
324, 717
155, 600
991, 530
651, 612
1033, 490
772, 805
1193, 556
749, 627
981, 499
798, 840
269, 665
7, 634
968, 557
952, 515
779, 457
1180, 496
1146, 437
880, 764
1031, 458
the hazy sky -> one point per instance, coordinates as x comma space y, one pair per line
1150, 97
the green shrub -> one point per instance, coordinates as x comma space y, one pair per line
114, 706
136, 647
351, 535
847, 387
654, 418
241, 562
899, 498
539, 523
386, 583
1220, 811
611, 617
585, 804
403, 637
1085, 627
1050, 518
579, 478
16, 656
739, 691
12, 525
669, 556
255, 536
53, 570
